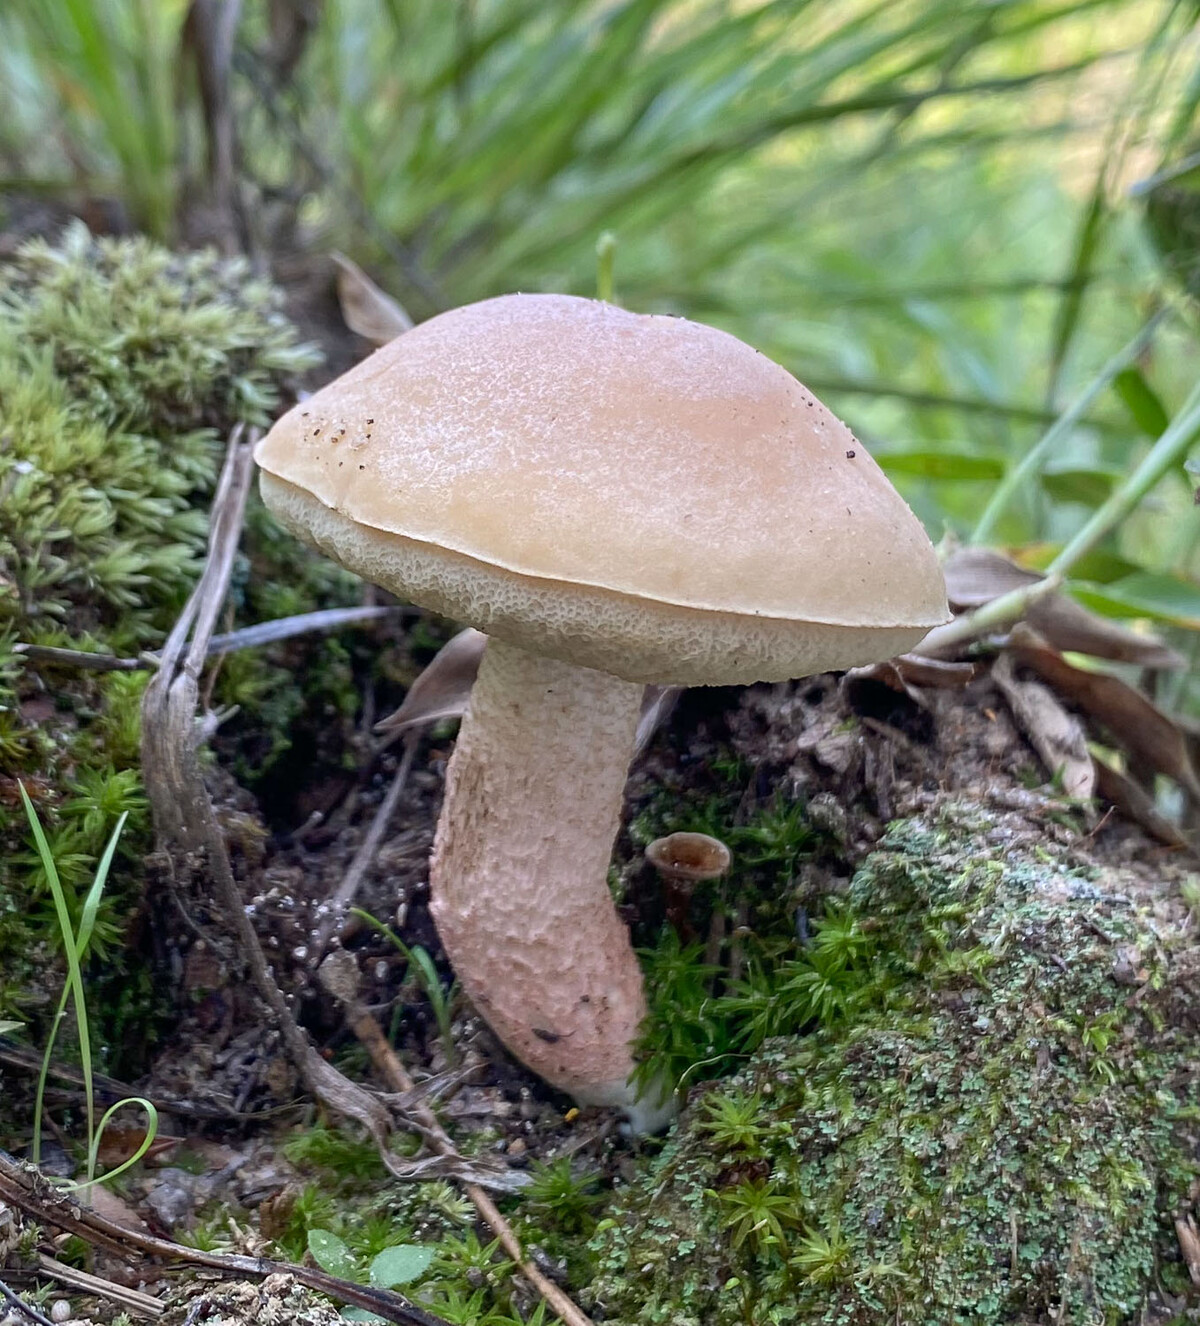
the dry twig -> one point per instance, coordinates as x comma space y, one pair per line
185, 822
1189, 1245
357, 870
23, 1187
339, 975
132, 1300
245, 637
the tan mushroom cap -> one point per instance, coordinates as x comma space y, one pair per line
689, 857
638, 494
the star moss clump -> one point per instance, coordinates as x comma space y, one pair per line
1002, 1138
122, 368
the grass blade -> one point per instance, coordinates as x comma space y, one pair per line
94, 1147
74, 947
1030, 464
1169, 450
74, 976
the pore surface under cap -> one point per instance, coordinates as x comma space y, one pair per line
565, 441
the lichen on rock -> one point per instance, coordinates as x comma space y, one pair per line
277, 1300
1000, 1138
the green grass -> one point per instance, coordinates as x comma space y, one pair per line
76, 940
923, 208
115, 73
420, 965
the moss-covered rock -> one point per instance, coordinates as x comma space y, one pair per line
1000, 1139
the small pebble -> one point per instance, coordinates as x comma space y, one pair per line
60, 1310
516, 1147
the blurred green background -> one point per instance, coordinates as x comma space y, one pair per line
945, 216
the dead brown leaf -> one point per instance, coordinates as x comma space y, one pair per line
911, 675
1119, 790
367, 310
1069, 625
443, 690
1055, 734
975, 576
1138, 727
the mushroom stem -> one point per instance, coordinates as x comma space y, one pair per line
519, 874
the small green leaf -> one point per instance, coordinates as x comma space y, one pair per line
1100, 600
1151, 594
8, 1027
331, 1254
1104, 566
1089, 486
1101, 565
1141, 401
400, 1265
943, 465
360, 1314
1165, 597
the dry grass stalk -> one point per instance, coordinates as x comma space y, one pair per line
339, 974
23, 1187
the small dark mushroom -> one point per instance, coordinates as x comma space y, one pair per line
683, 860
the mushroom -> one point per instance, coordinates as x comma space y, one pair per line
682, 860
688, 858
615, 500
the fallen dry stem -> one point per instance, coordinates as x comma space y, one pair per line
23, 1187
356, 872
1189, 1245
185, 822
245, 637
388, 1064
132, 1300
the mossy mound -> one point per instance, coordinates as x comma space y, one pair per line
1001, 1138
122, 367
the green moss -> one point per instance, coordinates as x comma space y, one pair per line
159, 343
998, 1138
696, 1027
122, 367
